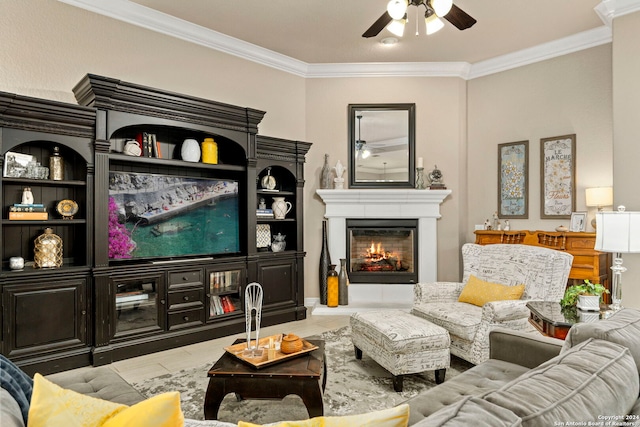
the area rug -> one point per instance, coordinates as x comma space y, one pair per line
353, 387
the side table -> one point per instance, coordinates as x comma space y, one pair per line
550, 319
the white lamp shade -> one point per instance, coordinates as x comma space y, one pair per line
441, 7
396, 27
618, 232
599, 196
397, 8
433, 23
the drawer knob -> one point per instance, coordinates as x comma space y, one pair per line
186, 298
185, 278
186, 318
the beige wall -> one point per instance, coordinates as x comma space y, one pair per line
48, 46
440, 108
626, 142
570, 94
566, 95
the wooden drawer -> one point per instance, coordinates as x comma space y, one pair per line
193, 277
186, 318
190, 297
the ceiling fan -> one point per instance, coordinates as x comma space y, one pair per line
395, 16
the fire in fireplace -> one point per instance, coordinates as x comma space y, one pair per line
382, 250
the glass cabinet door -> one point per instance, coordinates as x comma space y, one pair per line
138, 305
225, 292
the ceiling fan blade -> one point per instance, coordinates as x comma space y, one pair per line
377, 26
459, 18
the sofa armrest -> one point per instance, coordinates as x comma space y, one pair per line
504, 311
528, 349
436, 292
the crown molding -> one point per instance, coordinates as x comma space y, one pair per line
542, 52
389, 69
135, 14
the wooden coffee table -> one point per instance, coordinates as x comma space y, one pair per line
305, 376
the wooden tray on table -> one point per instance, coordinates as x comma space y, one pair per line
237, 351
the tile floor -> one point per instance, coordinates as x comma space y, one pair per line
165, 362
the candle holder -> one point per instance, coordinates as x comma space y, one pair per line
420, 179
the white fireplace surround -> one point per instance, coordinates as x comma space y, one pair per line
423, 205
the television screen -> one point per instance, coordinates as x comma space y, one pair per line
166, 216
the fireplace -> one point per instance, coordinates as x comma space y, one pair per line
421, 207
382, 250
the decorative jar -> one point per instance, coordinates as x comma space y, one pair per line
278, 244
209, 151
291, 343
47, 250
190, 150
56, 165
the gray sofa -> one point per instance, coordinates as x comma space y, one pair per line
529, 380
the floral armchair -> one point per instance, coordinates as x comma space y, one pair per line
544, 272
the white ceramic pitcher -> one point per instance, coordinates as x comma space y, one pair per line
280, 207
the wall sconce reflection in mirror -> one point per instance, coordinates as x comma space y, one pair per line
381, 145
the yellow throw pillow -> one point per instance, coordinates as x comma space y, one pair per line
478, 292
397, 416
54, 406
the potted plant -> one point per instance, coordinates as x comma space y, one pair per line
585, 296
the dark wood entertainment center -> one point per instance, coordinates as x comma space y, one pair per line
94, 310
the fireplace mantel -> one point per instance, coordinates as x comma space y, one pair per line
423, 205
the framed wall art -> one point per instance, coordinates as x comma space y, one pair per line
578, 221
513, 182
558, 176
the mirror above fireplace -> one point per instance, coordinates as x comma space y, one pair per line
381, 145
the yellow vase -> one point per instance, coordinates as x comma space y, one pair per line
209, 151
333, 287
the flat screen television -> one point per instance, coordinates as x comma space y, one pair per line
165, 216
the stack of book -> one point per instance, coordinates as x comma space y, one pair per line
30, 212
221, 305
264, 213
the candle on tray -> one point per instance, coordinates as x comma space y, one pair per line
420, 164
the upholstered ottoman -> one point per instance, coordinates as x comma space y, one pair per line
401, 343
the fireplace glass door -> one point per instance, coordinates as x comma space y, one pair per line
382, 250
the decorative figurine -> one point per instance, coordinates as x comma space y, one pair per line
56, 165
27, 196
487, 225
496, 221
339, 180
435, 179
507, 227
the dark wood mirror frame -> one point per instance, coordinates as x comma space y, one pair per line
389, 131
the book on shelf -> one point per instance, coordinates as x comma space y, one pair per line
30, 205
27, 208
28, 216
155, 144
264, 211
228, 304
147, 145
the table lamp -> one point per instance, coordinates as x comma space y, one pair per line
598, 197
617, 232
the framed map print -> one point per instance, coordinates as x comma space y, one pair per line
513, 172
558, 177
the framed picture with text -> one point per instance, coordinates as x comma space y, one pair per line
557, 177
513, 173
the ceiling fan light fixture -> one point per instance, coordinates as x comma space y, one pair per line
433, 23
441, 7
366, 153
396, 27
397, 8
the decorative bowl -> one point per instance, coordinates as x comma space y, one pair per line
291, 343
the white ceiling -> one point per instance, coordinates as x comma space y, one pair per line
312, 37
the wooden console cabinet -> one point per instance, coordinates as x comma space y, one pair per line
587, 262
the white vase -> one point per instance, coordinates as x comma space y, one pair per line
190, 151
280, 207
